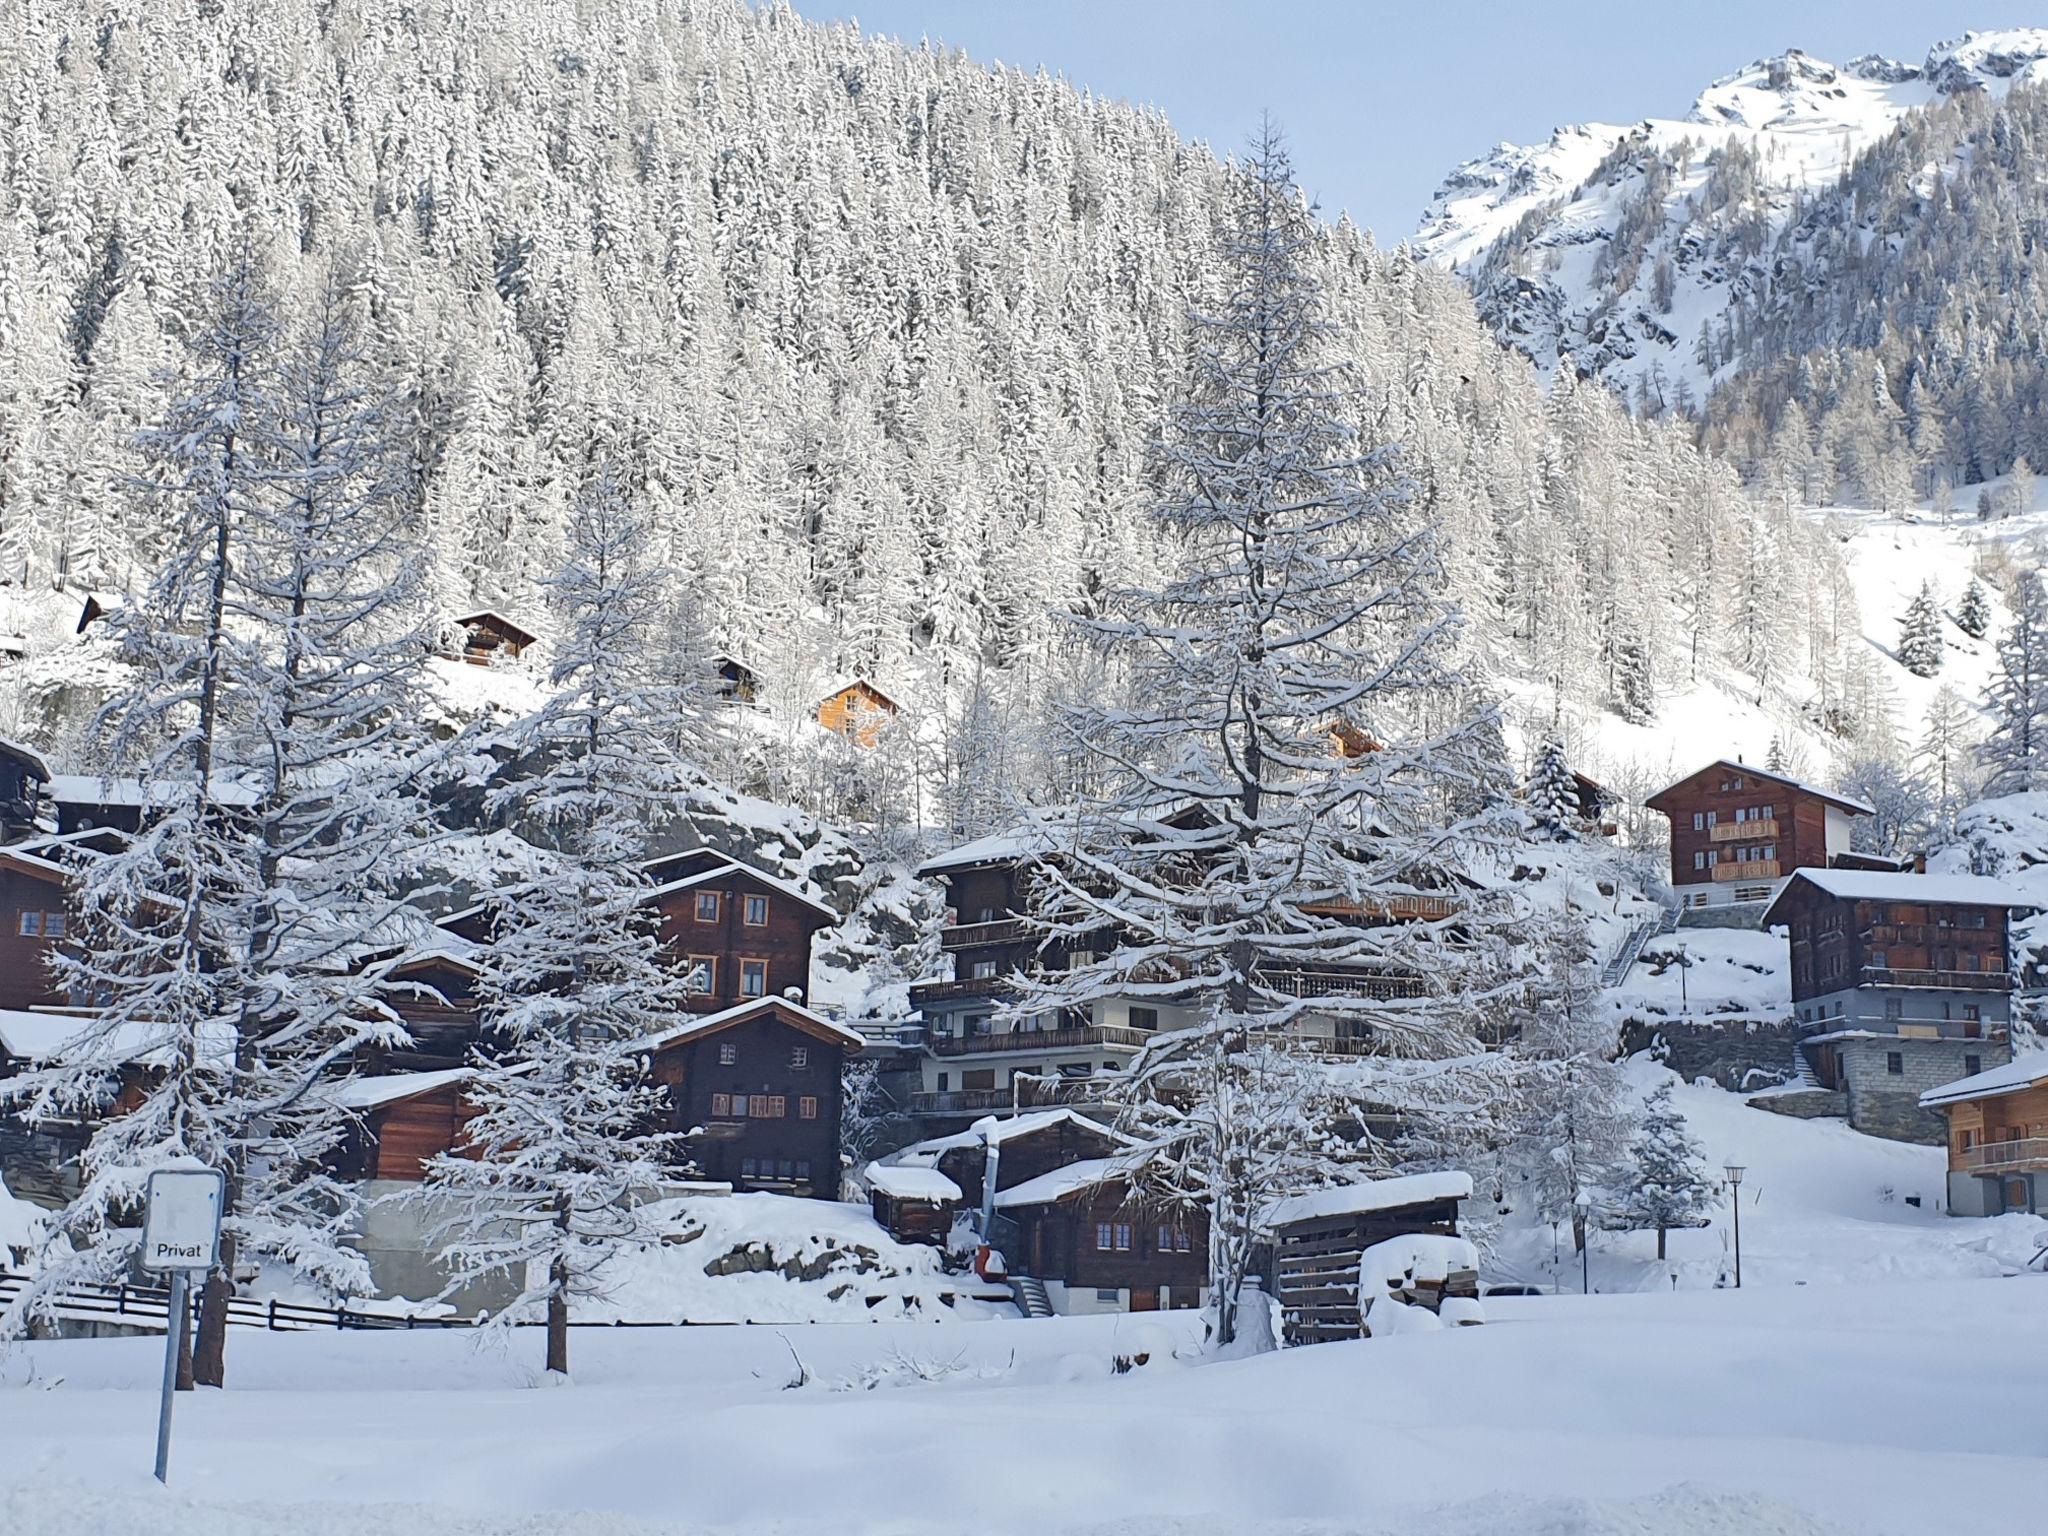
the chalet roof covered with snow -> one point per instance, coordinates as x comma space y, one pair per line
858, 685
1833, 797
2021, 1072
93, 789
1897, 885
31, 864
728, 867
485, 618
1028, 839
1371, 1195
363, 1093
901, 1182
31, 1036
27, 757
994, 1130
796, 1015
1073, 1179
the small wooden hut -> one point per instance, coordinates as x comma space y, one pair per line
1318, 1239
914, 1205
486, 636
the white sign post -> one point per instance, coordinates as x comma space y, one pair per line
180, 1235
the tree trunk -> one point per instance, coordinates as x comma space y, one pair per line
1660, 1242
209, 1354
558, 1318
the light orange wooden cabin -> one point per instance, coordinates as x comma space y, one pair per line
856, 710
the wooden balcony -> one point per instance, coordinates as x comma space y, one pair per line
1088, 1035
1961, 981
990, 987
1757, 869
1744, 831
1008, 930
1372, 984
2008, 1156
960, 1101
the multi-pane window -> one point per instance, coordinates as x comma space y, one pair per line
1144, 1018
753, 978
703, 973
1105, 1237
728, 1053
53, 925
799, 1057
1895, 1063
807, 1108
707, 906
755, 913
721, 1104
31, 925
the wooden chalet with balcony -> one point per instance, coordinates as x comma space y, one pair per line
1902, 983
1738, 832
1997, 1123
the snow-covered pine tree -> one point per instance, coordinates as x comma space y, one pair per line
1944, 759
1635, 686
1920, 634
561, 1155
327, 588
1244, 857
2017, 697
1667, 1184
1574, 1119
1552, 794
1973, 613
151, 923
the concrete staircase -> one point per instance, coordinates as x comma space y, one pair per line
1030, 1296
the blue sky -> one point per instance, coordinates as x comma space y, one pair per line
1382, 97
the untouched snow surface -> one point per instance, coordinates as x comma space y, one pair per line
1782, 1410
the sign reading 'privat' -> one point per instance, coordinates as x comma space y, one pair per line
181, 1229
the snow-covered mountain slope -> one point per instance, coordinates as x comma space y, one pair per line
1613, 243
1726, 713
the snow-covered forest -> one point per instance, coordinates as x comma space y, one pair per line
879, 336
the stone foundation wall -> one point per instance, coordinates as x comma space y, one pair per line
1804, 1104
1886, 1103
1740, 1054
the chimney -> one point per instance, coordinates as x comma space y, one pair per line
1920, 862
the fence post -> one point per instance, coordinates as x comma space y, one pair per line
272, 1311
121, 1299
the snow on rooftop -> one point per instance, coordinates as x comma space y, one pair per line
904, 1182
1889, 885
71, 1037
2020, 1072
1371, 1195
851, 1038
28, 755
726, 867
370, 1092
1072, 1179
95, 789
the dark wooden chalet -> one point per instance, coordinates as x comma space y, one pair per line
91, 802
759, 1087
32, 921
23, 776
1003, 1153
1319, 1238
1736, 831
1094, 1243
914, 1205
857, 710
485, 636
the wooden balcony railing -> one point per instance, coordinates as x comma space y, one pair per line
1756, 869
960, 1101
967, 986
1744, 831
1007, 930
1962, 981
1340, 984
2007, 1156
1039, 1039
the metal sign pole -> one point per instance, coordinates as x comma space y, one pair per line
174, 1332
181, 1237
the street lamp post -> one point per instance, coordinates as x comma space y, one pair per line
1734, 1175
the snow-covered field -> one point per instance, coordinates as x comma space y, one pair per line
1841, 1409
